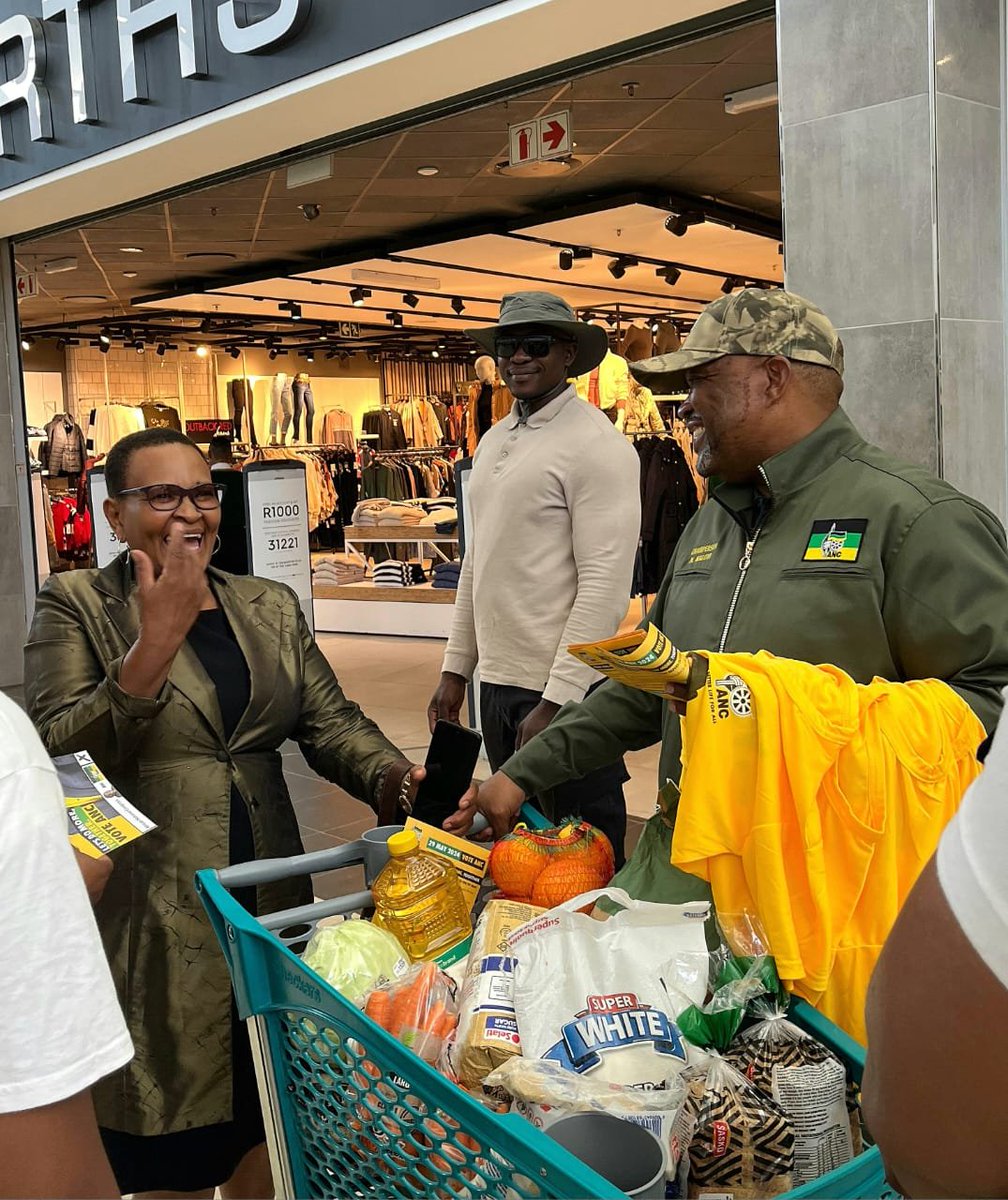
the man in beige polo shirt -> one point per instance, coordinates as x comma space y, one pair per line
553, 522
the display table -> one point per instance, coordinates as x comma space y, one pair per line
359, 537
419, 611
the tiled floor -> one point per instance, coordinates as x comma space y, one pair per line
392, 679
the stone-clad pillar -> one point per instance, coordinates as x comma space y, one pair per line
892, 148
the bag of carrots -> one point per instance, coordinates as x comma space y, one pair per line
419, 1010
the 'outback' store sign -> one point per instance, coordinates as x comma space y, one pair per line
81, 76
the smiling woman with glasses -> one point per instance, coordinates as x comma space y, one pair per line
183, 682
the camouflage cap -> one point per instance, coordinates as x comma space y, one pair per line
752, 321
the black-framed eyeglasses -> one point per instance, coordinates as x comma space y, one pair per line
535, 345
167, 497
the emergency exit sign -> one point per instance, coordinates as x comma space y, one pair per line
539, 139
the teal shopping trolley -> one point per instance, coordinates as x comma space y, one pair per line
350, 1112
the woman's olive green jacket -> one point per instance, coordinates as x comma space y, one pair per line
170, 757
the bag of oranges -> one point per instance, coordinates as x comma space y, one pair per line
546, 867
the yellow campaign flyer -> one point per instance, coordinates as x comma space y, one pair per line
99, 817
644, 659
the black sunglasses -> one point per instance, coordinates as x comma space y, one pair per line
167, 497
535, 345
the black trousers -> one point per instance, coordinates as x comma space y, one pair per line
597, 798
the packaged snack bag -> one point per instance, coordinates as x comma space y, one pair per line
601, 997
809, 1083
742, 1143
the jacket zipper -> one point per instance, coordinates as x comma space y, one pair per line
744, 563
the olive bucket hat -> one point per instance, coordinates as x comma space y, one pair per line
752, 321
551, 314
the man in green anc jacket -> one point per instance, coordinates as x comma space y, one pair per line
814, 545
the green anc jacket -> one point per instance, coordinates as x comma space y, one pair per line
853, 559
170, 758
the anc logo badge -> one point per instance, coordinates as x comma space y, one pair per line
835, 541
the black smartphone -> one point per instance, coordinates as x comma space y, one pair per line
451, 761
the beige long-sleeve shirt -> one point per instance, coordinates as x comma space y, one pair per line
552, 525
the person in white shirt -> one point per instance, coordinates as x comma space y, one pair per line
61, 1028
552, 526
934, 1087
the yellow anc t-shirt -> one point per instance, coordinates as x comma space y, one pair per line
813, 803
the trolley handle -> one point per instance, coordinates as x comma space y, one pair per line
269, 870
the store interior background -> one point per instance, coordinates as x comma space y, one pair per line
172, 300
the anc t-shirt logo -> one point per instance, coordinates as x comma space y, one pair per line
835, 541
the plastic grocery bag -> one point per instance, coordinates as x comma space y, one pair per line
601, 997
419, 1009
741, 971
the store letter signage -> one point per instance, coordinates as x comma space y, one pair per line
80, 49
133, 22
253, 37
27, 88
253, 34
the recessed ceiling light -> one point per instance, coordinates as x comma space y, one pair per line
130, 274
131, 249
550, 166
207, 254
428, 170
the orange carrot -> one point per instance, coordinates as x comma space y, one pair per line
378, 1006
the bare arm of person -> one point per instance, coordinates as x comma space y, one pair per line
934, 1095
54, 1151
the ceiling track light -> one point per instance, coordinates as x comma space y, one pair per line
395, 319
309, 356
458, 305
618, 267
235, 352
104, 346
139, 347
670, 274
272, 355
730, 284
678, 223
411, 299
358, 295
104, 339
161, 348
566, 260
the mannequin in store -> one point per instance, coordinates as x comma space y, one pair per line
489, 401
283, 408
667, 339
303, 399
240, 398
607, 385
637, 342
642, 415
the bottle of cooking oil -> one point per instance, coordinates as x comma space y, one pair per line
418, 898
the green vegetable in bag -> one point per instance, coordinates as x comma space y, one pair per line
355, 957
